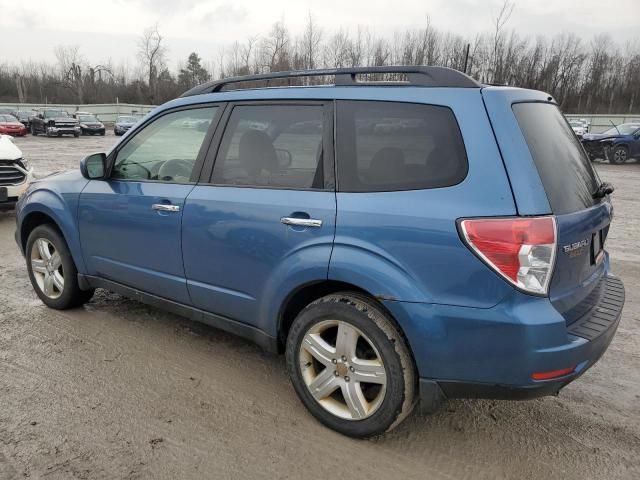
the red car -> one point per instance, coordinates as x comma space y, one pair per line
9, 125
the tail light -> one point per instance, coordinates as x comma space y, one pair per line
520, 249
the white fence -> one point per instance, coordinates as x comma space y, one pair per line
600, 123
107, 112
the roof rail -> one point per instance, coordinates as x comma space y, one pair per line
422, 76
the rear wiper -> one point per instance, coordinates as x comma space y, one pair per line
604, 189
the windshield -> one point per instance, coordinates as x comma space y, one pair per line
7, 118
127, 120
55, 113
624, 129
87, 118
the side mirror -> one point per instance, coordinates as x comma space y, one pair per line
94, 166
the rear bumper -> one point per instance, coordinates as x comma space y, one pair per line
492, 353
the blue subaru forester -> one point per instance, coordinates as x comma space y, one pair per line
419, 238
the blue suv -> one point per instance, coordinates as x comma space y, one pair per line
401, 234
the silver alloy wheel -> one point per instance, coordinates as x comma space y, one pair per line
46, 265
620, 155
347, 378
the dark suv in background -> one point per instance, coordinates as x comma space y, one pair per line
54, 122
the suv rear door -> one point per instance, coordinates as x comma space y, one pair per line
263, 220
550, 173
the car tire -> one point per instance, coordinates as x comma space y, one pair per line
51, 269
618, 155
33, 131
75, 134
379, 353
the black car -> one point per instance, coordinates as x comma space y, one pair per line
54, 122
24, 117
89, 124
123, 124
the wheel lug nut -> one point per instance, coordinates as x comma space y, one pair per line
334, 361
351, 369
336, 373
344, 359
346, 379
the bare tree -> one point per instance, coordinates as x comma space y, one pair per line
311, 39
499, 23
152, 54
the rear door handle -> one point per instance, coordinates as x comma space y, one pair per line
301, 222
163, 207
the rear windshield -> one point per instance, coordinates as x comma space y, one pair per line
389, 146
565, 171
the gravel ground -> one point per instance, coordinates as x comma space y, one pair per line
121, 390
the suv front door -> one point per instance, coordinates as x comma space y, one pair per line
130, 224
265, 221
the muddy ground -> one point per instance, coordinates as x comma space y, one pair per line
121, 390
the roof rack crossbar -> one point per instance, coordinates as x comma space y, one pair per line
416, 76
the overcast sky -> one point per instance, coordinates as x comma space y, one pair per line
107, 29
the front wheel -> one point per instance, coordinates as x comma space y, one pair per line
51, 270
350, 366
618, 155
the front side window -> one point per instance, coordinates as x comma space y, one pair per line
390, 146
272, 146
165, 150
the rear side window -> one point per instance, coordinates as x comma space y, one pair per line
387, 146
566, 173
277, 146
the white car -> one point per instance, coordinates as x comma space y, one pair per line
578, 127
15, 173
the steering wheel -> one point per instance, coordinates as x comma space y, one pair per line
175, 169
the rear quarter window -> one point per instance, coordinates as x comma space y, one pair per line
391, 146
565, 171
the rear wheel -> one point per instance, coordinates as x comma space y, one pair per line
350, 366
51, 270
618, 155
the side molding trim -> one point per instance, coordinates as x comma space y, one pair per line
255, 335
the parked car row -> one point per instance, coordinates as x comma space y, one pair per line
53, 122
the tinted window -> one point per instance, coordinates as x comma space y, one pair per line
384, 146
166, 149
565, 170
272, 146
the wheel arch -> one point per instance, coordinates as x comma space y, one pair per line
53, 212
305, 294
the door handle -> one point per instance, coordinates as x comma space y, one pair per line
163, 207
301, 222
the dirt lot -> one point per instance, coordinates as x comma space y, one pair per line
121, 390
